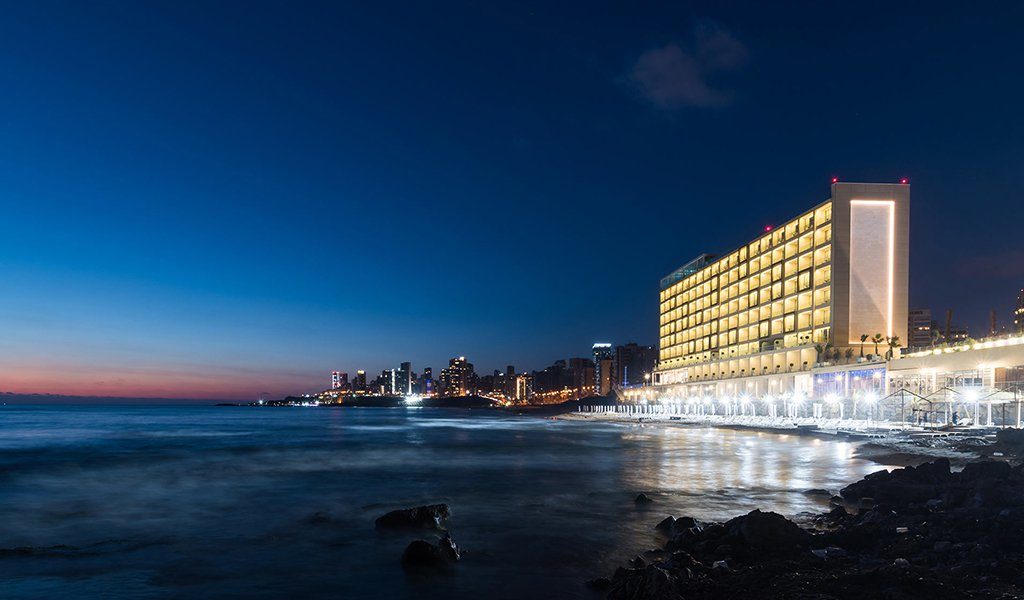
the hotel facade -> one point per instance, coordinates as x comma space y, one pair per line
753, 320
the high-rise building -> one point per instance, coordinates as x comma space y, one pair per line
359, 383
457, 379
403, 379
1018, 314
509, 382
426, 384
919, 328
524, 388
633, 364
835, 272
339, 380
603, 368
388, 382
581, 374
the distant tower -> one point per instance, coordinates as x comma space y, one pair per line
335, 380
404, 379
603, 368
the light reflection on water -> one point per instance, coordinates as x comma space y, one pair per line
213, 502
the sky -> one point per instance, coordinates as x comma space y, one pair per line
228, 199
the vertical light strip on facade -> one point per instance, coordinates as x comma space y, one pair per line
890, 259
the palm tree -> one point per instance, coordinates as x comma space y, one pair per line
849, 354
893, 343
863, 338
878, 339
818, 349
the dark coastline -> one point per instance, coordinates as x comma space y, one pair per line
924, 532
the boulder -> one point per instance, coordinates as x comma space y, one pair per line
448, 548
421, 553
421, 517
769, 532
665, 525
650, 582
1011, 440
685, 524
989, 469
643, 499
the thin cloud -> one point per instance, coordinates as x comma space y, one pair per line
679, 75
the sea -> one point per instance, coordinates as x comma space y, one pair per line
258, 502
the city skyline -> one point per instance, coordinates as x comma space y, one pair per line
221, 202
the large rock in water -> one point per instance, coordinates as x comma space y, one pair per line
768, 532
421, 517
421, 553
902, 486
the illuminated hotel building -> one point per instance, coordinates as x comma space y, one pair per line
749, 321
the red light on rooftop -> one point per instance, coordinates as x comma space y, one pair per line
903, 181
835, 180
767, 227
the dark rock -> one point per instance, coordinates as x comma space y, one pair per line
421, 553
601, 584
643, 499
429, 517
723, 550
448, 548
936, 471
932, 534
1011, 440
683, 525
990, 469
818, 492
648, 583
665, 525
769, 532
637, 563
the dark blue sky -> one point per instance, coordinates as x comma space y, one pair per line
220, 199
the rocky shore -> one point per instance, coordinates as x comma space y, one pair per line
915, 532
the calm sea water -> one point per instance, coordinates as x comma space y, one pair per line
215, 502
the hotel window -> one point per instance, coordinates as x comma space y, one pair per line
822, 276
804, 281
822, 256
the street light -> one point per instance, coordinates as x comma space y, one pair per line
834, 399
972, 397
870, 398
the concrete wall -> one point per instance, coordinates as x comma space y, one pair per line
863, 239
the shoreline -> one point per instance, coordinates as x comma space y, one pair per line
881, 445
915, 532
